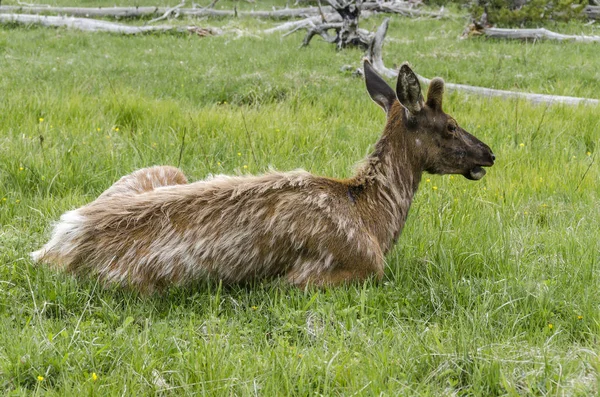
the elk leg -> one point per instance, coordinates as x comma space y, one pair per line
336, 276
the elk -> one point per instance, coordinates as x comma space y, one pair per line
153, 229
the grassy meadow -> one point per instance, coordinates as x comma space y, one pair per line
493, 288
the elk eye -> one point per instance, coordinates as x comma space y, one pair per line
451, 127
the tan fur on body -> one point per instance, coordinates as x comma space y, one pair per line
152, 229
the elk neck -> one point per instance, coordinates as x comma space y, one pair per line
384, 186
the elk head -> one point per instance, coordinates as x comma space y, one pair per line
435, 140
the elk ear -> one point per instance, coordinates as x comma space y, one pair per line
379, 90
435, 93
408, 90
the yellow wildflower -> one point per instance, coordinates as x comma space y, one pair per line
41, 119
40, 378
239, 154
17, 201
550, 326
20, 168
219, 163
589, 153
427, 180
435, 188
98, 129
580, 317
245, 166
521, 144
254, 307
94, 376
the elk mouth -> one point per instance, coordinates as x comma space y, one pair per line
475, 173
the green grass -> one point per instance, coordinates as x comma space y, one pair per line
493, 288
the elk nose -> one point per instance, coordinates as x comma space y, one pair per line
493, 157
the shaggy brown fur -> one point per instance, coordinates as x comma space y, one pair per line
152, 229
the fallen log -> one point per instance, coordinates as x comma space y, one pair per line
113, 12
396, 7
535, 34
533, 98
374, 54
141, 12
94, 25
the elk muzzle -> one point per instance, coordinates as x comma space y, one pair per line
487, 159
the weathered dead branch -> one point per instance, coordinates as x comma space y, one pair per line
374, 55
592, 12
401, 8
374, 52
306, 23
322, 30
94, 25
293, 26
532, 34
171, 11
